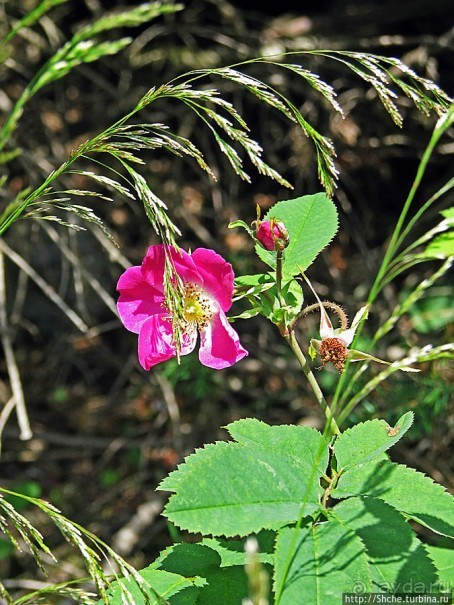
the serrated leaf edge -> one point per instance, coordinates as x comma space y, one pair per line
376, 453
414, 516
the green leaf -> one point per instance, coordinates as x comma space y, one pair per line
296, 441
434, 310
261, 290
242, 224
441, 246
162, 586
368, 440
234, 489
232, 552
409, 491
444, 562
396, 557
253, 312
324, 561
253, 285
292, 296
225, 582
311, 221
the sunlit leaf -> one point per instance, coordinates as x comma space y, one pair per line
311, 222
368, 440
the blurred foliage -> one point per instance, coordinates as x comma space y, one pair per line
105, 432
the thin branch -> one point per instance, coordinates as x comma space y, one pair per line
13, 370
74, 260
4, 415
44, 286
172, 407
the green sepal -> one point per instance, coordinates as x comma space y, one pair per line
313, 348
355, 355
243, 225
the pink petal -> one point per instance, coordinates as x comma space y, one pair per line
156, 341
272, 234
154, 262
219, 344
217, 275
138, 299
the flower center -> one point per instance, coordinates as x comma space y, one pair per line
197, 307
334, 350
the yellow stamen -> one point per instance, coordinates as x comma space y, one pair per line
197, 307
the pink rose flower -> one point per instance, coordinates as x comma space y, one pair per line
208, 289
272, 234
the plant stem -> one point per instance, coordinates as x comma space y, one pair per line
399, 230
279, 258
293, 343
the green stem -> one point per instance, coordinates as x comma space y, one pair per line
11, 121
346, 383
396, 238
14, 210
293, 343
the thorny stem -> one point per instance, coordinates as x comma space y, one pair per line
293, 343
327, 305
289, 335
